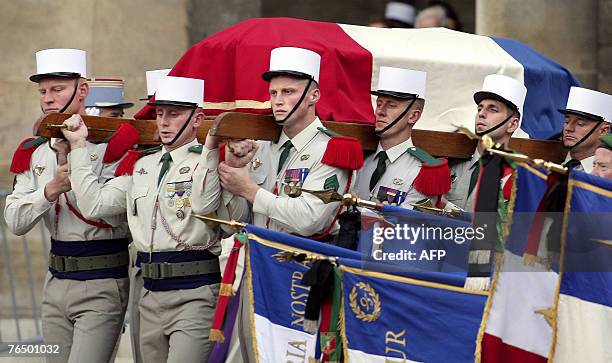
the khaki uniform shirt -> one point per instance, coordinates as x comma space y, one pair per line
305, 215
395, 186
159, 216
461, 173
587, 164
27, 204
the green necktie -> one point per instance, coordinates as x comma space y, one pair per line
474, 178
166, 159
380, 169
284, 155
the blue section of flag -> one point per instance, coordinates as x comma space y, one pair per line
417, 241
588, 244
548, 85
415, 320
530, 189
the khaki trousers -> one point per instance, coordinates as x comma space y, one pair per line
84, 317
133, 312
175, 324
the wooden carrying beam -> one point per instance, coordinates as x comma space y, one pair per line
262, 127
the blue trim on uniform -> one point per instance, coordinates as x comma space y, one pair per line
548, 84
86, 249
178, 283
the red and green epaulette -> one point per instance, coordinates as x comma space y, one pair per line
342, 151
126, 166
434, 176
23, 155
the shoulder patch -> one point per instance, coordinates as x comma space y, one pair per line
423, 156
196, 148
328, 132
331, 183
23, 155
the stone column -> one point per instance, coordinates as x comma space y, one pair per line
564, 30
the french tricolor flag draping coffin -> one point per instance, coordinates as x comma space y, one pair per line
456, 63
584, 310
518, 320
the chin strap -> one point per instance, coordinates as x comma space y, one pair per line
297, 104
482, 133
587, 135
182, 128
397, 118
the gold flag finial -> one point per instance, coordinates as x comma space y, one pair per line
233, 224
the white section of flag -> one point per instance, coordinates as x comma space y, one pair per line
519, 293
584, 331
462, 61
276, 343
357, 356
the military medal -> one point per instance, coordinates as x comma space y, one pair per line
256, 163
180, 214
294, 179
170, 203
39, 169
391, 196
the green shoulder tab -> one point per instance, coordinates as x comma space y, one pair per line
196, 148
328, 132
423, 156
151, 150
331, 183
36, 142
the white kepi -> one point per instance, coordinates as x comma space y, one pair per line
403, 12
401, 83
298, 62
69, 63
591, 104
153, 78
179, 91
503, 89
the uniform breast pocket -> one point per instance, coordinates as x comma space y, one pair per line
139, 193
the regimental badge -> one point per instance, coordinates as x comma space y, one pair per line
93, 157
388, 195
256, 163
365, 302
305, 157
180, 214
294, 179
39, 169
398, 181
142, 171
184, 170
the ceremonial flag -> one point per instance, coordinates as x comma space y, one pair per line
584, 308
389, 318
517, 321
233, 60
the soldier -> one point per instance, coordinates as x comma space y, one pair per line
85, 293
602, 165
305, 156
500, 109
394, 173
176, 252
105, 98
588, 115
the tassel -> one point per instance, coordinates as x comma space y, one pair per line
126, 166
477, 283
226, 290
146, 113
121, 141
343, 152
433, 179
479, 257
311, 326
23, 155
216, 335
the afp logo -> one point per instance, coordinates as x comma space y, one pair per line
365, 302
